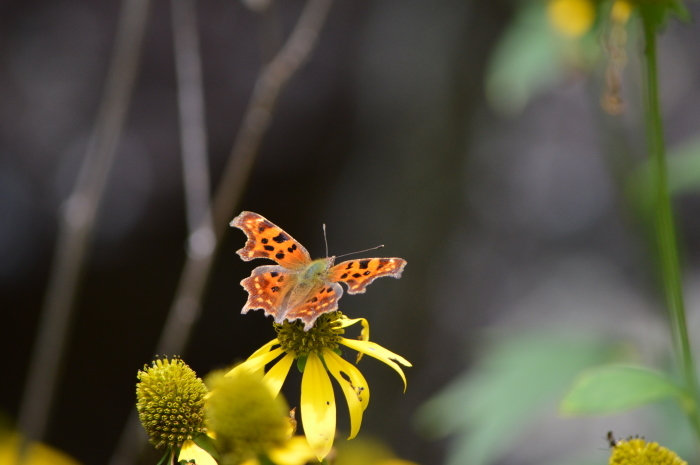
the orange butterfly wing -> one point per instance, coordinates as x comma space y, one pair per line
268, 288
265, 240
358, 274
322, 300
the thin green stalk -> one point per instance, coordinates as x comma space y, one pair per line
665, 226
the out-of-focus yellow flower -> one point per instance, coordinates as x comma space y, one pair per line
367, 450
636, 451
36, 454
247, 419
318, 354
621, 11
571, 18
295, 452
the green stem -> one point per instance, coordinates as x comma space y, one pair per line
665, 226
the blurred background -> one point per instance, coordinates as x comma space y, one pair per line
466, 136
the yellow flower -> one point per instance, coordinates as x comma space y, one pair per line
571, 18
317, 351
621, 11
246, 418
636, 451
36, 453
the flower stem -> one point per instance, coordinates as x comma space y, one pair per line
665, 226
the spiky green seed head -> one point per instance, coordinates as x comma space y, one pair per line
326, 333
170, 402
636, 451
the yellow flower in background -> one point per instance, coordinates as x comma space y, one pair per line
296, 451
317, 355
571, 18
247, 419
36, 453
621, 11
367, 450
636, 451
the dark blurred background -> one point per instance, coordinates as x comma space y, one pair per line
385, 135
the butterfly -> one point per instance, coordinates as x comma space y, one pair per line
299, 288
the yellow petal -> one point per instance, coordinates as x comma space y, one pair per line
354, 387
317, 407
295, 452
364, 333
274, 378
191, 451
266, 348
345, 321
256, 363
380, 353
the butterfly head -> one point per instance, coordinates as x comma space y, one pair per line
318, 269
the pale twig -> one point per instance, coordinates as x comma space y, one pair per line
186, 306
77, 222
190, 99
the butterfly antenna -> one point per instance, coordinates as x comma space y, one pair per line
325, 238
360, 251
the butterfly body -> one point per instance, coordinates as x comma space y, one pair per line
300, 288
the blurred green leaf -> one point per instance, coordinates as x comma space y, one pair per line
683, 176
516, 377
617, 388
525, 60
658, 13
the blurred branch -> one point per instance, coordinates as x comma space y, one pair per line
186, 306
77, 222
190, 99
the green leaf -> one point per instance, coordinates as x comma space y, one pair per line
616, 388
516, 378
525, 62
207, 443
683, 176
301, 362
658, 13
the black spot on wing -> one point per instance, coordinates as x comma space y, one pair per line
279, 255
269, 248
345, 275
274, 274
280, 238
364, 264
356, 275
274, 288
366, 272
350, 265
264, 240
